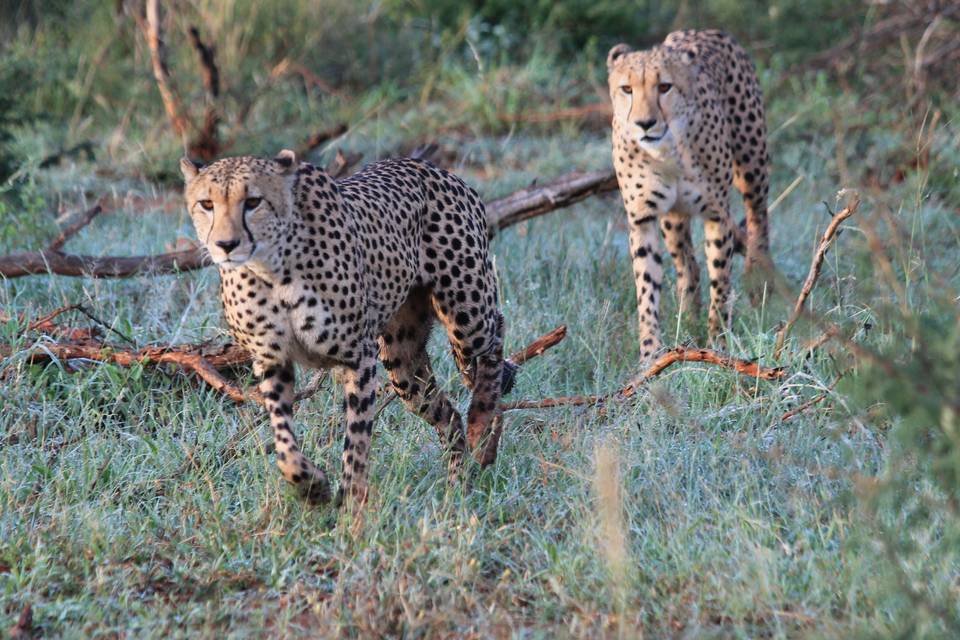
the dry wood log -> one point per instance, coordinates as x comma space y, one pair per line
678, 354
517, 207
537, 200
814, 273
33, 262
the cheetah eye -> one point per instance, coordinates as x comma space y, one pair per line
252, 203
627, 89
663, 87
206, 205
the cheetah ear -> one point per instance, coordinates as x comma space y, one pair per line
615, 53
189, 169
688, 57
287, 160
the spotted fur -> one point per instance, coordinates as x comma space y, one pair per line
329, 273
688, 122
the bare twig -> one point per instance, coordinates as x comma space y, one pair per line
812, 401
678, 354
538, 346
74, 228
814, 273
45, 320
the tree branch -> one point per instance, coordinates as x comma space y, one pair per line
814, 273
77, 225
678, 354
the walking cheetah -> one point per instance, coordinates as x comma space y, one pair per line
330, 273
685, 114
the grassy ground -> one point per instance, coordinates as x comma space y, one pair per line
135, 503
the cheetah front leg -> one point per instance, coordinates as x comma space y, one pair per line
718, 241
648, 276
676, 235
360, 395
277, 389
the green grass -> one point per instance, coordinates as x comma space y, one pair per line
138, 503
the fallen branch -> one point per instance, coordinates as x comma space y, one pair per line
678, 354
534, 201
37, 262
201, 360
812, 401
538, 346
814, 273
75, 228
502, 213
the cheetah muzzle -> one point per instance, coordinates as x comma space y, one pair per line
326, 273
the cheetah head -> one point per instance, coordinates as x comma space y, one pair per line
241, 207
653, 94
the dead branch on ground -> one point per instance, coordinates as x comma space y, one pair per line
74, 228
502, 213
28, 263
812, 401
678, 354
814, 273
201, 360
537, 200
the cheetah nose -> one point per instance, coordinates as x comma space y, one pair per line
227, 245
645, 124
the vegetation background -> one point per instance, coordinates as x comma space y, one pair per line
135, 503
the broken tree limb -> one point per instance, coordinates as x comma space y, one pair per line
537, 200
200, 360
74, 228
678, 354
502, 213
16, 265
825, 241
538, 346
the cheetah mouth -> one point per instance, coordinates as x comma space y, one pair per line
655, 138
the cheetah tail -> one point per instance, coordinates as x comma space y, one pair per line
507, 377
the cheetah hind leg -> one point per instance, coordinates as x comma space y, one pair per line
488, 376
310, 481
403, 352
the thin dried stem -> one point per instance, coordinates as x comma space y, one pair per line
814, 273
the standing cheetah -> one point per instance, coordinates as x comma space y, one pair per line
332, 273
688, 121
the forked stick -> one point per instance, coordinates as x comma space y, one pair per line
678, 354
815, 266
